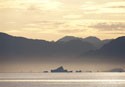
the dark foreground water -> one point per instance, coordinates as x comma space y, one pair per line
62, 80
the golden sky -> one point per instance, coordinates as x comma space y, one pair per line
53, 19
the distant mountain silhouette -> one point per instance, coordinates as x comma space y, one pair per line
74, 47
106, 41
93, 40
68, 38
115, 48
20, 48
112, 50
11, 46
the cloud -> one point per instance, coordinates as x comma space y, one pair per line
109, 7
109, 26
70, 31
61, 17
31, 4
90, 6
117, 6
117, 33
72, 16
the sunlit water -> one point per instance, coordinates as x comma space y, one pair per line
62, 80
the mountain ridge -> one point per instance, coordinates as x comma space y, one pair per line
12, 46
114, 50
91, 39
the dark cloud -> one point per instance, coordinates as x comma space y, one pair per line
118, 26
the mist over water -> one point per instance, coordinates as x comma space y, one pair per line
46, 65
82, 40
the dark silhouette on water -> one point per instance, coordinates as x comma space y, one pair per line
78, 71
45, 71
60, 69
117, 70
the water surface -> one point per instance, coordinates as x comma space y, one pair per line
62, 80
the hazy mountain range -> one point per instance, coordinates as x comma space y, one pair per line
69, 46
114, 49
93, 40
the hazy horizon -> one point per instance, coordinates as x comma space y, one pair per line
18, 53
52, 20
62, 43
59, 37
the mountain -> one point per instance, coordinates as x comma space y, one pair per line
106, 41
11, 46
114, 50
68, 38
92, 40
20, 48
74, 47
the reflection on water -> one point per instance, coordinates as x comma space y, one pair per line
62, 80
59, 85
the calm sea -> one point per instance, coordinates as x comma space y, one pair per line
62, 79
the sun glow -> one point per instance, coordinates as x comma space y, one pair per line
41, 4
44, 4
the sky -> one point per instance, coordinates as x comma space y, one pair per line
53, 19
